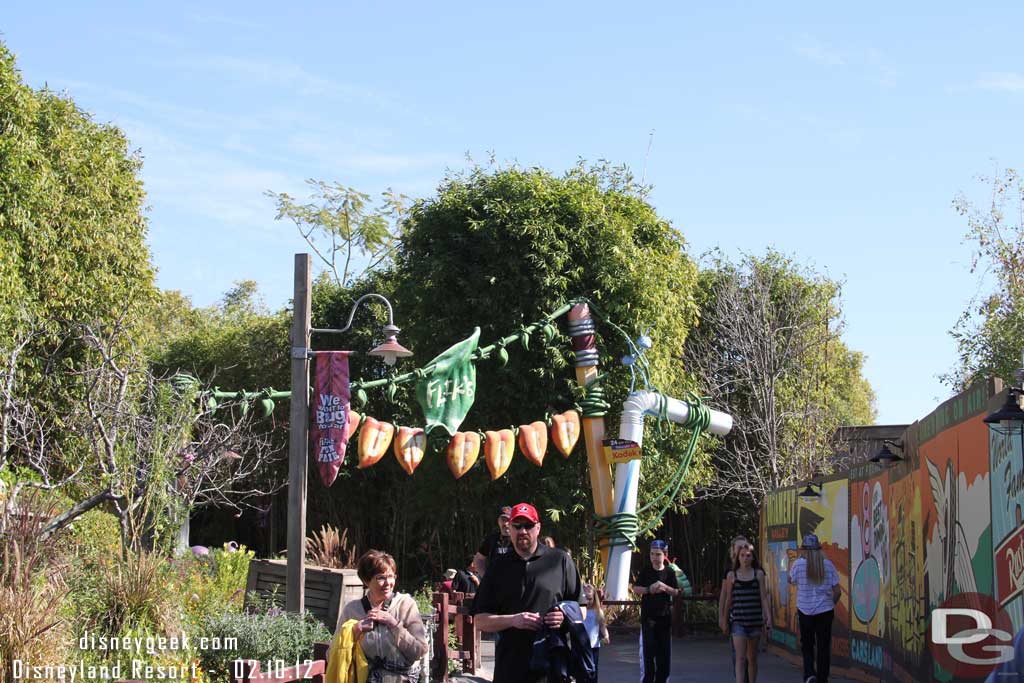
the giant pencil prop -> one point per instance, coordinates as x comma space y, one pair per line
581, 330
627, 475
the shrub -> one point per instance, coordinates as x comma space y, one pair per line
31, 589
424, 598
216, 582
269, 636
328, 548
95, 534
113, 596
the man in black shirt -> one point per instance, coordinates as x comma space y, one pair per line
495, 545
517, 596
655, 585
466, 580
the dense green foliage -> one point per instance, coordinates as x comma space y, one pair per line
498, 249
277, 636
72, 251
237, 344
72, 232
129, 597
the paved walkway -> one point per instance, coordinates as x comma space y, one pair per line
703, 660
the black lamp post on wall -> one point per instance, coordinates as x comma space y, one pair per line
885, 457
809, 494
1009, 419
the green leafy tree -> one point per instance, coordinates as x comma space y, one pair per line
499, 249
72, 231
237, 344
768, 347
989, 333
344, 227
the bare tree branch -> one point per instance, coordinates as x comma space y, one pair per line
130, 439
761, 327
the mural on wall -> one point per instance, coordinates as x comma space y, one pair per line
1006, 476
907, 623
947, 521
779, 542
869, 565
956, 500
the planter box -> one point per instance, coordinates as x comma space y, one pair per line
327, 590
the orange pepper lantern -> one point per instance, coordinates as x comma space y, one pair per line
374, 439
463, 450
533, 441
565, 431
499, 447
409, 447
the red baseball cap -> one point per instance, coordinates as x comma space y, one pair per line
526, 511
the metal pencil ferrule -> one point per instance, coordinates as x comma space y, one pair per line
580, 328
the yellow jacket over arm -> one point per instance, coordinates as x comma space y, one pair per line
346, 662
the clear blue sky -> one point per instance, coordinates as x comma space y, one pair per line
837, 135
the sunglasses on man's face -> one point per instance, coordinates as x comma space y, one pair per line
524, 526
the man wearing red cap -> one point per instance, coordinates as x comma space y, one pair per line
518, 596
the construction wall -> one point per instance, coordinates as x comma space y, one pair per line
947, 520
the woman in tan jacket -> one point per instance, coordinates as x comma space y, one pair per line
389, 629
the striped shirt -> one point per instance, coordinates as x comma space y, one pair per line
746, 603
813, 598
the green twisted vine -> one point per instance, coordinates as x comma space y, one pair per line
623, 528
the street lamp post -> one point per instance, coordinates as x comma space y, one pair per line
298, 443
298, 439
390, 350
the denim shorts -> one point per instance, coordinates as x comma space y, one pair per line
746, 631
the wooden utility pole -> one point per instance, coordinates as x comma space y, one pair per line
298, 456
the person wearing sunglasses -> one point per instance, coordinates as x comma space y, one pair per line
656, 585
517, 596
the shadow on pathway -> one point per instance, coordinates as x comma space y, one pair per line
703, 660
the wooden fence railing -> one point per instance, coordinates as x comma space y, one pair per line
455, 608
682, 624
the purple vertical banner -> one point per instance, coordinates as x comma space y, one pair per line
331, 399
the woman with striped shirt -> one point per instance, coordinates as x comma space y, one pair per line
748, 611
818, 591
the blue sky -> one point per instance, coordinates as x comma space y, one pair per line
839, 136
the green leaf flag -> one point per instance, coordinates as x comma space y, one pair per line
447, 394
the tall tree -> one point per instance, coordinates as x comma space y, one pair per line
72, 231
768, 348
990, 333
498, 249
350, 233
